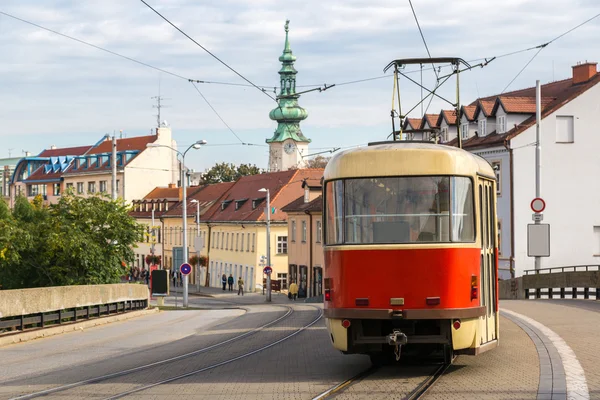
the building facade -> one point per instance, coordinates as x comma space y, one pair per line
7, 168
305, 234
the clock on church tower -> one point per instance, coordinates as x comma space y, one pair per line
288, 146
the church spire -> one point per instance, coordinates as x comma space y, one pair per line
289, 114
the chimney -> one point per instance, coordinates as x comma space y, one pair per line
53, 147
583, 72
172, 186
27, 154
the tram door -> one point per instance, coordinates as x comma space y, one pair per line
487, 258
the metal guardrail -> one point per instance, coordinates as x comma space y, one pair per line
18, 324
570, 293
572, 268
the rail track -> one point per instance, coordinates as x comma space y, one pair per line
102, 378
415, 394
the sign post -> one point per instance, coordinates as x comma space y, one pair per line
538, 234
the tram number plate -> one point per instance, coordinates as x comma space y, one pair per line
397, 301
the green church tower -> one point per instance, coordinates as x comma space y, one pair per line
288, 145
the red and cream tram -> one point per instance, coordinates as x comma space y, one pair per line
410, 251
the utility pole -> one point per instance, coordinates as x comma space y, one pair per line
268, 215
114, 167
10, 152
538, 156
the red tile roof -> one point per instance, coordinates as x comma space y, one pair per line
449, 116
206, 195
66, 151
134, 143
469, 112
284, 186
414, 123
170, 193
431, 119
484, 105
299, 205
519, 105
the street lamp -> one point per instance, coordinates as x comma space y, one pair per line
198, 240
268, 214
194, 146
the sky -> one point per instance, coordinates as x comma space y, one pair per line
56, 91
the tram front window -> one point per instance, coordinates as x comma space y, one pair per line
401, 210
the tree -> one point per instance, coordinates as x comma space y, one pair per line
77, 241
318, 162
229, 172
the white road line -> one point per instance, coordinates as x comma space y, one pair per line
577, 388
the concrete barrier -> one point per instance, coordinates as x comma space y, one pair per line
41, 300
511, 289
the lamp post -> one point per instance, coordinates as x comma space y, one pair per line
268, 215
198, 241
194, 146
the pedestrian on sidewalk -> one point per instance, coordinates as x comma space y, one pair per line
293, 291
224, 281
240, 286
230, 282
174, 278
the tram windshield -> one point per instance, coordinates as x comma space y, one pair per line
433, 209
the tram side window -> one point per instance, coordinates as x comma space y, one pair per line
462, 210
334, 211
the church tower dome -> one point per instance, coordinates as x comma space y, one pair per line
288, 144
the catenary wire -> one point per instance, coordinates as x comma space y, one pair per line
206, 50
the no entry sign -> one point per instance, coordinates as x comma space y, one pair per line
538, 204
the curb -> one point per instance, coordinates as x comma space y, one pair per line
72, 327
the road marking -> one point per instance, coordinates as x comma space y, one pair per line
575, 375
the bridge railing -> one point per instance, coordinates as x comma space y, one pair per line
571, 268
39, 308
569, 282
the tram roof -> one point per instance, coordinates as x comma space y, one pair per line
406, 158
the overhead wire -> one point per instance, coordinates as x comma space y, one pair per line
206, 50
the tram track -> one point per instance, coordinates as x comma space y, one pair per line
164, 362
417, 393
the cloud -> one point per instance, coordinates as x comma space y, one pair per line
53, 86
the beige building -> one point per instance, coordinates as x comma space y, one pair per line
305, 233
88, 169
236, 227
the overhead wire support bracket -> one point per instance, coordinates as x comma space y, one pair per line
320, 89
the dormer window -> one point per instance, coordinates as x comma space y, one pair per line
501, 124
464, 130
256, 202
224, 204
445, 134
239, 203
482, 127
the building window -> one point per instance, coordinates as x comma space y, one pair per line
564, 129
242, 246
222, 239
79, 187
283, 279
482, 127
237, 241
497, 165
69, 186
319, 232
227, 242
501, 124
248, 244
293, 230
464, 130
56, 189
303, 231
92, 187
102, 186
117, 188
597, 241
281, 244
253, 241
445, 134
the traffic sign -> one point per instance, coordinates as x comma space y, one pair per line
538, 205
267, 270
537, 217
185, 269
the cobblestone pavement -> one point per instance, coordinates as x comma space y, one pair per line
510, 371
577, 322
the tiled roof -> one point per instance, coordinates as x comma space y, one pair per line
148, 214
134, 143
299, 205
431, 119
414, 123
206, 195
484, 105
170, 193
449, 116
66, 151
284, 186
519, 105
469, 112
